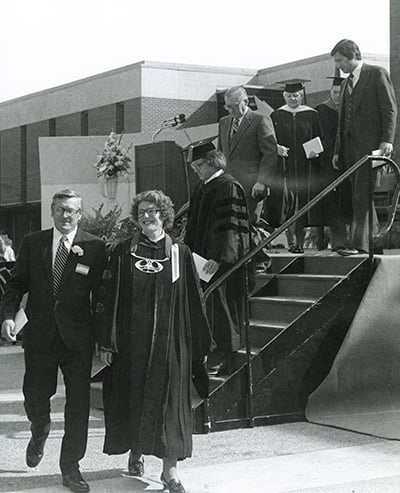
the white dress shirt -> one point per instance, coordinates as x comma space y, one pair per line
56, 240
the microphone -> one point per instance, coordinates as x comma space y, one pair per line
176, 120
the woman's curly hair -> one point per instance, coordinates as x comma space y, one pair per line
160, 200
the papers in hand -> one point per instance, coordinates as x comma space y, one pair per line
20, 320
200, 262
313, 147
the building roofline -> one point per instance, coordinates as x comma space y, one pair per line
141, 64
313, 59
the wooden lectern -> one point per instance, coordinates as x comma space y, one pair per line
161, 166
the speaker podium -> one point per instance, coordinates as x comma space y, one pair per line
161, 166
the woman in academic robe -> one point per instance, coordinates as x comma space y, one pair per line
154, 334
294, 125
337, 206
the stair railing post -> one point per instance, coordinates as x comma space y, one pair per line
206, 416
250, 390
370, 214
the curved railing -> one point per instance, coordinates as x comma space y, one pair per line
383, 161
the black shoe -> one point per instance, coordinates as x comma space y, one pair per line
295, 249
214, 369
75, 482
346, 252
135, 467
34, 452
173, 485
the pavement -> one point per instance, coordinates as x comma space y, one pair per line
296, 457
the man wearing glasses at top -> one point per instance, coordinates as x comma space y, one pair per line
60, 270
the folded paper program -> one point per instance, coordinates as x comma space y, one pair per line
313, 147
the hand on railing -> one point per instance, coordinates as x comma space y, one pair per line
346, 174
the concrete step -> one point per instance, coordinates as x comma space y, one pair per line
261, 333
305, 285
295, 285
276, 309
330, 265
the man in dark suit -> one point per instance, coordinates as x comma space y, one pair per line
60, 269
248, 141
367, 122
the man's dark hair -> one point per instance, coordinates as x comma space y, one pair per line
347, 48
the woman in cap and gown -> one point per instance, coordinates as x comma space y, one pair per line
296, 124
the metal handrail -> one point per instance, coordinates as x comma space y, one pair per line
376, 162
382, 162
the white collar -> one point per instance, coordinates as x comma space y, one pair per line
154, 240
244, 114
213, 176
70, 237
357, 72
299, 109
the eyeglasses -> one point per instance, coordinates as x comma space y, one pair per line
151, 211
232, 106
61, 211
197, 164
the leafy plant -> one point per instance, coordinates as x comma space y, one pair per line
110, 227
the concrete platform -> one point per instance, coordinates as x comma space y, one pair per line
296, 457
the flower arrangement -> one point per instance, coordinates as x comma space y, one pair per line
114, 160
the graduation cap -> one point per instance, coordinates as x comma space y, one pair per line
336, 81
198, 150
294, 86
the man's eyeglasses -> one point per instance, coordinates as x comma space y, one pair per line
61, 211
151, 211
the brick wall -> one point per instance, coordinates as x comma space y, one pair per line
102, 120
32, 184
68, 125
10, 166
156, 110
133, 115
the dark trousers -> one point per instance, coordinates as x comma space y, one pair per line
361, 199
40, 384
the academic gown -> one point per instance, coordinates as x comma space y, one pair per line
156, 328
218, 228
302, 175
339, 201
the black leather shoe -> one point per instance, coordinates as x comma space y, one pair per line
75, 482
173, 485
295, 249
34, 452
347, 252
135, 467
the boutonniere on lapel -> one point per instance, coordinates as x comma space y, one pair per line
77, 250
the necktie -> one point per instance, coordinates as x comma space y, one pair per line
59, 264
350, 83
235, 127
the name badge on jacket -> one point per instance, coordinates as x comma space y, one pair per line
82, 269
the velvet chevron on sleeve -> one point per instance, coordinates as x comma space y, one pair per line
218, 224
218, 228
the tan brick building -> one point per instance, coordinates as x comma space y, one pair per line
131, 99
